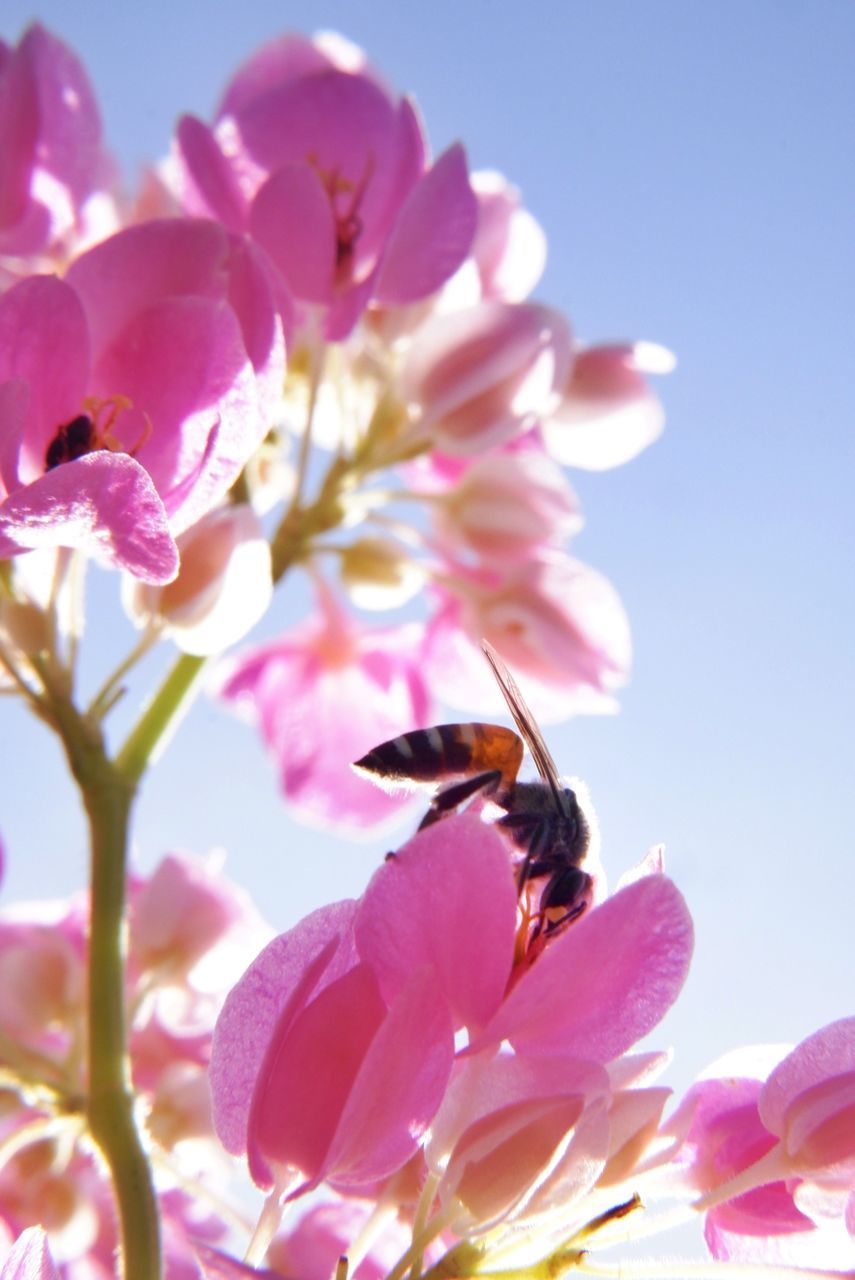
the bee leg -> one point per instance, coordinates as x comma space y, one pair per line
451, 797
532, 833
568, 889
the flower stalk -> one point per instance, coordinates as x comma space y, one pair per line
108, 795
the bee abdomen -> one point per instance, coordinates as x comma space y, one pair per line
425, 755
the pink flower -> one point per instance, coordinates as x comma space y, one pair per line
327, 169
608, 412
509, 248
557, 623
314, 1074
133, 392
222, 589
482, 376
783, 1149
507, 506
55, 176
325, 693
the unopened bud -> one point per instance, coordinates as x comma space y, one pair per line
223, 587
379, 574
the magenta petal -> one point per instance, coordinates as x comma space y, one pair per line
163, 258
399, 1086
183, 363
44, 340
14, 407
306, 1077
288, 58
19, 124
604, 983
254, 1007
103, 504
432, 235
292, 219
215, 187
70, 143
447, 899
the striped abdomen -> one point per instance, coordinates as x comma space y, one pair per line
426, 757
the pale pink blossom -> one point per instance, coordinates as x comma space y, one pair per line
483, 376
311, 1248
328, 170
55, 175
507, 506
557, 623
223, 587
608, 411
322, 695
140, 387
509, 248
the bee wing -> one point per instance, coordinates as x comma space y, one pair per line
525, 722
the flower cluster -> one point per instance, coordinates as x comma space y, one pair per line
307, 345
188, 930
302, 296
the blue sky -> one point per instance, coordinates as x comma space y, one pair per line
692, 167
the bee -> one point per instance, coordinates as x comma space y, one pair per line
544, 819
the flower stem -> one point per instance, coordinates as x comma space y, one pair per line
108, 797
160, 718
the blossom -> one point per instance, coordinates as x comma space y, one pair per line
323, 694
556, 622
775, 1158
608, 412
301, 1056
507, 506
189, 930
328, 170
139, 389
55, 175
483, 375
222, 589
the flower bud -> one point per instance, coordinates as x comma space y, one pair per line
507, 505
222, 589
378, 574
487, 374
608, 412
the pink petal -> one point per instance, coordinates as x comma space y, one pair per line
19, 125
14, 410
286, 971
309, 1070
432, 234
70, 142
606, 982
30, 1258
103, 504
828, 1053
291, 218
215, 190
143, 264
446, 899
44, 340
182, 362
398, 1088
289, 57
609, 413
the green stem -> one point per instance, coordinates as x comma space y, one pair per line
160, 718
108, 797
